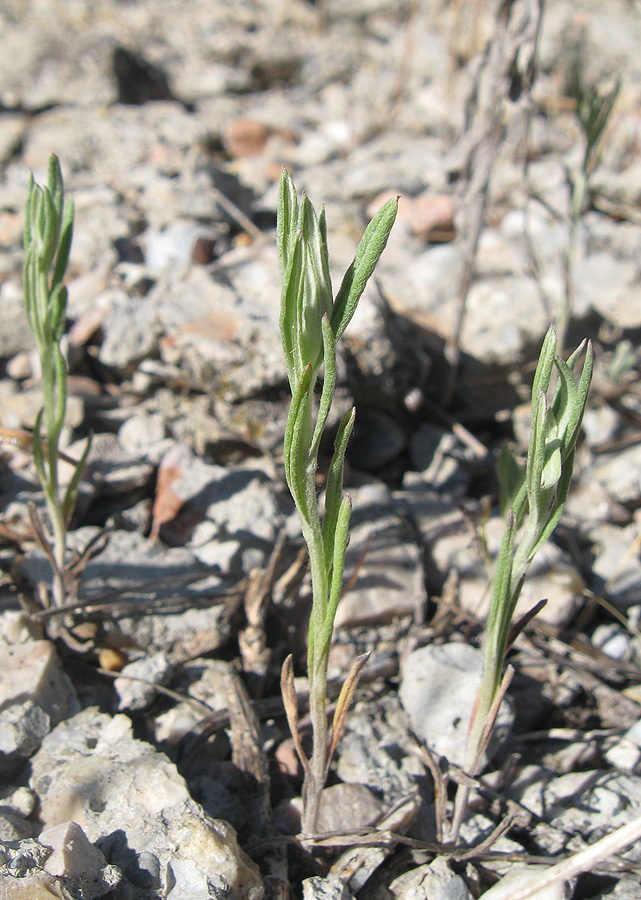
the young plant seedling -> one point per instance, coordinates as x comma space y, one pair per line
48, 229
311, 322
532, 500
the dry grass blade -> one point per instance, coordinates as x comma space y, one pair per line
248, 756
290, 703
583, 861
440, 781
252, 640
344, 701
514, 814
23, 440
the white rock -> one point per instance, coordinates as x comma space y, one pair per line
389, 583
137, 694
132, 800
520, 878
612, 640
625, 755
634, 733
368, 752
330, 888
435, 881
438, 690
34, 695
72, 854
614, 566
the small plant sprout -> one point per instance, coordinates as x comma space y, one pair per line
311, 322
532, 500
48, 229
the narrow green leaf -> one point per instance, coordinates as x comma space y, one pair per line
296, 409
60, 367
30, 277
543, 372
299, 451
585, 381
57, 311
334, 486
39, 222
510, 476
287, 222
358, 274
315, 239
55, 185
64, 245
38, 452
28, 213
317, 289
556, 512
71, 494
50, 232
291, 297
329, 383
564, 404
536, 451
574, 356
574, 395
499, 612
341, 540
322, 226
551, 471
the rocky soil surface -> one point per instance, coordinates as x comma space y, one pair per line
143, 748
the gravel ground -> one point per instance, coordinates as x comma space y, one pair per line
143, 749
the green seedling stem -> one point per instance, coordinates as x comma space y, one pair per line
311, 322
532, 499
48, 230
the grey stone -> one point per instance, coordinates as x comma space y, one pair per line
627, 888
600, 424
348, 806
35, 695
131, 800
205, 680
437, 455
389, 582
144, 435
620, 474
81, 865
369, 751
612, 640
330, 888
520, 877
131, 333
137, 694
15, 335
613, 567
438, 691
433, 881
155, 594
13, 827
61, 863
625, 755
377, 440
228, 518
111, 470
582, 806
